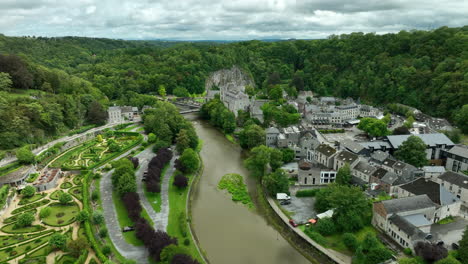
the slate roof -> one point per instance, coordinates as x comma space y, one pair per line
389, 162
434, 169
406, 226
326, 150
380, 173
423, 186
272, 130
364, 167
392, 179
429, 139
352, 146
375, 144
379, 155
458, 150
346, 156
16, 175
407, 204
455, 178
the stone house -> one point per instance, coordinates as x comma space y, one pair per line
271, 135
447, 203
354, 147
406, 220
115, 115
323, 154
313, 173
455, 183
457, 158
18, 177
362, 172
344, 157
48, 179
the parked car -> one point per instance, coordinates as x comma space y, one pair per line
440, 243
291, 222
128, 229
455, 246
285, 202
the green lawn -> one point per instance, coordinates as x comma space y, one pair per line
335, 241
124, 220
55, 194
61, 215
177, 204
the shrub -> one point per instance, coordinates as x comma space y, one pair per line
95, 195
103, 232
408, 251
325, 226
350, 241
316, 237
307, 193
58, 241
182, 224
24, 219
186, 242
106, 250
28, 191
82, 216
65, 198
180, 181
45, 212
98, 217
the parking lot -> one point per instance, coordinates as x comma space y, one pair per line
302, 209
449, 233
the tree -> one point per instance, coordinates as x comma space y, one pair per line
5, 82
44, 212
58, 241
76, 247
183, 259
409, 122
182, 141
288, 155
98, 217
463, 250
181, 92
372, 251
350, 241
96, 113
180, 181
99, 138
276, 93
401, 131
276, 158
25, 155
24, 219
126, 184
412, 151
325, 226
168, 253
430, 252
387, 118
28, 191
258, 160
65, 198
343, 177
461, 119
82, 216
190, 160
276, 182
162, 90
252, 136
151, 138
373, 127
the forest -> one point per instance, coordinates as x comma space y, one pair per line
51, 85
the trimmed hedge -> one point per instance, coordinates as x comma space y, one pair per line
30, 206
9, 229
307, 193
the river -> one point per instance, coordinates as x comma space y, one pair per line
229, 232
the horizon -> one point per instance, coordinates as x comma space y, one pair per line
240, 20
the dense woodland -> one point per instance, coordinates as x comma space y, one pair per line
51, 85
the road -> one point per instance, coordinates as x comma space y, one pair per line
160, 219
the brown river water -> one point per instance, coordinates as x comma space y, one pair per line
229, 232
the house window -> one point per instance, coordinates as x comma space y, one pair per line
313, 181
305, 180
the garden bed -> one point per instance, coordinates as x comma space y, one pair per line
10, 229
30, 206
33, 199
66, 185
76, 192
61, 215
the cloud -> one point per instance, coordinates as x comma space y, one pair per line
234, 19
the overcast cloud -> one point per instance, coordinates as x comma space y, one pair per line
224, 20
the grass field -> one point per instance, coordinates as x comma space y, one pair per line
61, 215
177, 204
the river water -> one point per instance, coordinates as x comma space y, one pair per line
229, 232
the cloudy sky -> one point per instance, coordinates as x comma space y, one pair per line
226, 19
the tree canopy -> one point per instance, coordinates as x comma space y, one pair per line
412, 151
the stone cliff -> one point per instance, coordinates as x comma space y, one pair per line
233, 79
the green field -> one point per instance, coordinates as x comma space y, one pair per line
61, 215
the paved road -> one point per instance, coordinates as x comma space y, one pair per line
139, 254
160, 219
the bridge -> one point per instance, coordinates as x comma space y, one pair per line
189, 111
187, 106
